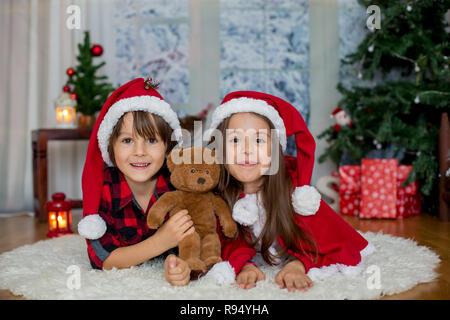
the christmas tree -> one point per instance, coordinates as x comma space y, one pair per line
399, 115
91, 90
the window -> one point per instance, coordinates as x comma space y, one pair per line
152, 38
264, 46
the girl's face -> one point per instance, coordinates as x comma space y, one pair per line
248, 147
139, 159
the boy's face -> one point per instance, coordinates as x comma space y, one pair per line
248, 147
137, 158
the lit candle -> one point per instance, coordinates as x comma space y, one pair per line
67, 115
52, 220
62, 221
59, 115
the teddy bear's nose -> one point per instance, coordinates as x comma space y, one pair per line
201, 181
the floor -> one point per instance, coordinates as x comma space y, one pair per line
426, 230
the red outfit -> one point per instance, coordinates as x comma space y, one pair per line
339, 246
337, 242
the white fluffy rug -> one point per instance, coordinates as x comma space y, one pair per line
43, 271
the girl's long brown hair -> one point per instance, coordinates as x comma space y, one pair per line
276, 198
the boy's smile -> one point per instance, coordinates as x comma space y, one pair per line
140, 165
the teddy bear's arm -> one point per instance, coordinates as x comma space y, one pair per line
160, 208
222, 210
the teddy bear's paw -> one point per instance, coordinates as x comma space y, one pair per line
154, 222
230, 230
195, 274
210, 261
196, 264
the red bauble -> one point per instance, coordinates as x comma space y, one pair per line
96, 50
66, 88
70, 72
73, 96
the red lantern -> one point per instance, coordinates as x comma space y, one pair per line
59, 215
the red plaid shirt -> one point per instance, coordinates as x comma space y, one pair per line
126, 221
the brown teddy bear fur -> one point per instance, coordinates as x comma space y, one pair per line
194, 173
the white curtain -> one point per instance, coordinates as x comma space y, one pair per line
36, 48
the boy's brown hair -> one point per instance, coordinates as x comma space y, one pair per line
146, 125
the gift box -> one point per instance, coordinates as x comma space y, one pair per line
408, 197
374, 190
378, 188
349, 189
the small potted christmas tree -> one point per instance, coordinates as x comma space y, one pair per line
89, 89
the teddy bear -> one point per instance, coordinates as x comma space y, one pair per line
194, 172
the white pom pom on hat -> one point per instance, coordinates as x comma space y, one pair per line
306, 200
92, 227
222, 273
245, 210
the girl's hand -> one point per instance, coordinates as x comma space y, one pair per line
248, 276
293, 276
175, 229
176, 271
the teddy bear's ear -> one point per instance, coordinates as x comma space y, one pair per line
169, 161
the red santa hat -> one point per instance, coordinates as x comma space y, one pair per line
336, 111
136, 95
288, 121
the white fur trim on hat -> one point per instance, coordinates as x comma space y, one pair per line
316, 274
246, 210
245, 104
369, 249
150, 104
306, 200
92, 227
222, 273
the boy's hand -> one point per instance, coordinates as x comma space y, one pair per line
175, 229
176, 271
293, 276
249, 275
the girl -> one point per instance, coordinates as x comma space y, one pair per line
132, 136
281, 216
